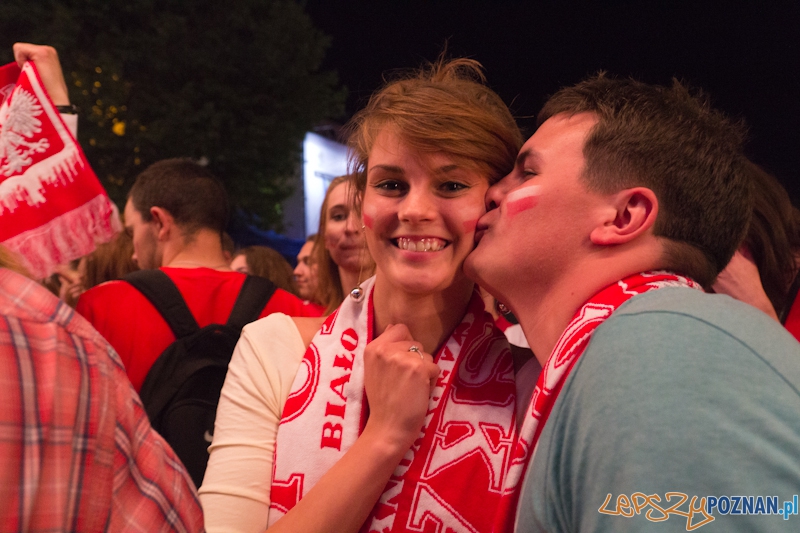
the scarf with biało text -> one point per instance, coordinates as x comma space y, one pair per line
568, 349
52, 207
451, 478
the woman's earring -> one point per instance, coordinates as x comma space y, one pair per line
357, 294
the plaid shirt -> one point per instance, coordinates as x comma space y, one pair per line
77, 452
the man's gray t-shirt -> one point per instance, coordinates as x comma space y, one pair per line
678, 392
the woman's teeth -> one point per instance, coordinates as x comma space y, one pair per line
421, 245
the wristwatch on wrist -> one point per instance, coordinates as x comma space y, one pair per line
69, 109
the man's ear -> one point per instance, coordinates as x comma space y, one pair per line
162, 221
630, 213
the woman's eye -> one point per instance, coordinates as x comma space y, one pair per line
390, 186
453, 186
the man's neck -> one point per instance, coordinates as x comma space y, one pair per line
202, 250
544, 314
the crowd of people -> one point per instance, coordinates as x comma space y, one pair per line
594, 329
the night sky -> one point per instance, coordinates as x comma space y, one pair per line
746, 56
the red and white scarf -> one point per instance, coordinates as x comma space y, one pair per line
52, 207
568, 349
451, 479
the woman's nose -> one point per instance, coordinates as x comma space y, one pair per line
353, 224
417, 206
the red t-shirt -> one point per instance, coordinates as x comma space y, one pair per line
312, 309
793, 319
131, 324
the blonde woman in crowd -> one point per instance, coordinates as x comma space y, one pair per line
340, 251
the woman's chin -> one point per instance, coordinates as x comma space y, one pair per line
422, 284
352, 264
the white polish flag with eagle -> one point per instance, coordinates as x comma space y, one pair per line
53, 208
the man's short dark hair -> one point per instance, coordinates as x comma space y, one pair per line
672, 142
191, 194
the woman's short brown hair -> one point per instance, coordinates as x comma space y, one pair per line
443, 107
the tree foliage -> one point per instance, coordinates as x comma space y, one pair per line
234, 83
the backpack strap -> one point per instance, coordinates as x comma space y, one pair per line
156, 286
253, 297
167, 374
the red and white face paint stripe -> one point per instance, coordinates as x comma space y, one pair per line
522, 199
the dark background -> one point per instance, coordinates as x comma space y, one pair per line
745, 55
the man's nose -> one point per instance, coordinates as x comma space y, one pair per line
496, 193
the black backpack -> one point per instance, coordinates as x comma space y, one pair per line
181, 390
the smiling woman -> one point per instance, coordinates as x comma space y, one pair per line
386, 377
420, 211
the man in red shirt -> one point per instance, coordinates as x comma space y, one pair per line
176, 213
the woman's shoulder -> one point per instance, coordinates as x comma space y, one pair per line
307, 327
271, 324
280, 330
275, 332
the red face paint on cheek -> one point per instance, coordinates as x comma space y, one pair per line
367, 220
523, 204
470, 225
522, 199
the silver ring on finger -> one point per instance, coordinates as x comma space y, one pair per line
415, 348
